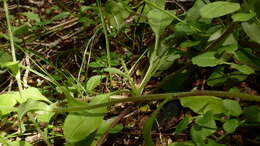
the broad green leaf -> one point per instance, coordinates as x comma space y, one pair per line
7, 102
93, 82
158, 20
181, 126
203, 104
218, 9
242, 17
230, 125
187, 143
31, 105
207, 59
115, 71
32, 93
233, 108
243, 68
252, 114
79, 125
252, 30
32, 16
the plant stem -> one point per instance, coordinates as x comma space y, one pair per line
18, 74
172, 96
154, 60
106, 37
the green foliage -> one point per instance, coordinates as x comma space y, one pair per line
79, 125
218, 9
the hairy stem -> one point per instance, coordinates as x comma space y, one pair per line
172, 96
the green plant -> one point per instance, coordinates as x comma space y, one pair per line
221, 37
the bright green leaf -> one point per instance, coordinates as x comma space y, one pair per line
203, 104
230, 125
79, 125
32, 93
206, 59
7, 102
218, 9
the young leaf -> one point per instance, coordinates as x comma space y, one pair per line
93, 82
218, 9
158, 20
206, 59
230, 125
233, 107
78, 126
252, 30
